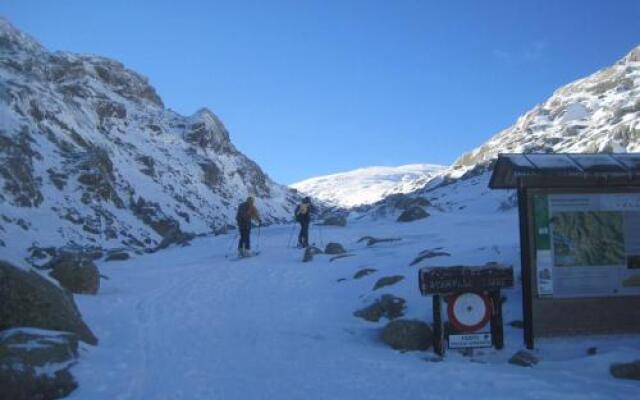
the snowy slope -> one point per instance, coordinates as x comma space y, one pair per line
368, 185
90, 156
196, 325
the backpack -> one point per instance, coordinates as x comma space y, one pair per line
302, 210
296, 214
243, 213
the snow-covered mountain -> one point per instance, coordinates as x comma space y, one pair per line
368, 185
599, 113
90, 155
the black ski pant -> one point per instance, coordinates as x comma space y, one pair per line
245, 236
303, 236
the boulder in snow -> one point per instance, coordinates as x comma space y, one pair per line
30, 300
413, 214
370, 240
117, 256
387, 306
523, 358
334, 248
364, 272
407, 335
429, 253
630, 370
309, 252
387, 281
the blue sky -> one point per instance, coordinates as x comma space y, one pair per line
313, 87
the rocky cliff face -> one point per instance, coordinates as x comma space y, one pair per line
90, 156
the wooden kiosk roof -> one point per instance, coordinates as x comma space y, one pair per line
519, 170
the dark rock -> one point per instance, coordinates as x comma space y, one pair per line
118, 256
30, 300
212, 174
372, 240
523, 359
335, 220
429, 253
387, 281
17, 170
76, 273
334, 248
149, 165
58, 179
110, 109
592, 351
152, 215
387, 306
405, 202
309, 252
364, 272
407, 335
413, 214
630, 370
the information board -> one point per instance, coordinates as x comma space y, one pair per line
587, 245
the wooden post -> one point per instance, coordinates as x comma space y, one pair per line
497, 330
525, 268
438, 327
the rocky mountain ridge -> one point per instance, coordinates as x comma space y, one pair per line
90, 157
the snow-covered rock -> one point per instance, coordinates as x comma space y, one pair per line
90, 156
368, 185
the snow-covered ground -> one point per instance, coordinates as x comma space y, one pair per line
191, 323
368, 185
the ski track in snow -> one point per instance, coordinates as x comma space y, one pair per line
187, 323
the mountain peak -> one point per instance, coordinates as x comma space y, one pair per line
632, 57
12, 39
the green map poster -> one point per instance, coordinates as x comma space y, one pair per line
587, 244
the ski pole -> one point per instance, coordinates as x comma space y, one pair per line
233, 239
258, 241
